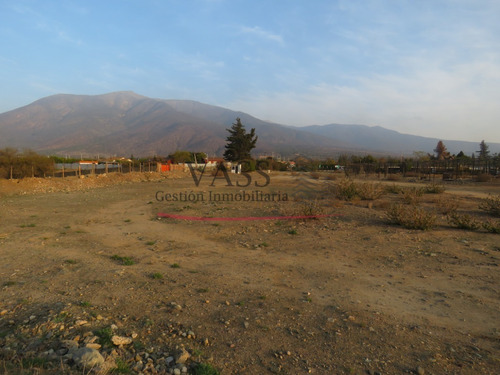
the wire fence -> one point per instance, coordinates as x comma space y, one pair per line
445, 169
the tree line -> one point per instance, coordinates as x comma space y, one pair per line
239, 144
15, 164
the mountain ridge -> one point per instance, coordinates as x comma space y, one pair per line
124, 123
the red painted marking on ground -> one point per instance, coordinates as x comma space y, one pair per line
243, 218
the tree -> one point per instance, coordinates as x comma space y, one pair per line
181, 157
484, 150
368, 159
239, 143
441, 152
462, 156
187, 157
421, 156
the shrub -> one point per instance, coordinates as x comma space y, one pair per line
126, 261
345, 190
463, 221
393, 189
369, 191
311, 207
248, 165
412, 195
447, 206
315, 175
492, 227
412, 217
434, 189
491, 205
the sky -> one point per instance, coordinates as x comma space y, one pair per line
423, 67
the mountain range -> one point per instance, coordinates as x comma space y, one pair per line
125, 123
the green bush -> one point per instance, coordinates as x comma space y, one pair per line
248, 165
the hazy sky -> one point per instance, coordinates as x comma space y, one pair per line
426, 67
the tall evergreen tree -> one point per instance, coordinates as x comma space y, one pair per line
484, 150
239, 143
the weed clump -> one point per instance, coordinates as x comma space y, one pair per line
491, 226
105, 335
412, 196
311, 208
447, 206
411, 217
126, 261
463, 221
369, 191
434, 189
345, 190
393, 189
204, 369
491, 205
122, 367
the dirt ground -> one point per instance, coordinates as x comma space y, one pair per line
344, 294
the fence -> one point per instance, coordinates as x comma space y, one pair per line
83, 169
73, 169
449, 169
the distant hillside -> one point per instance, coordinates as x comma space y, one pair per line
124, 123
378, 138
